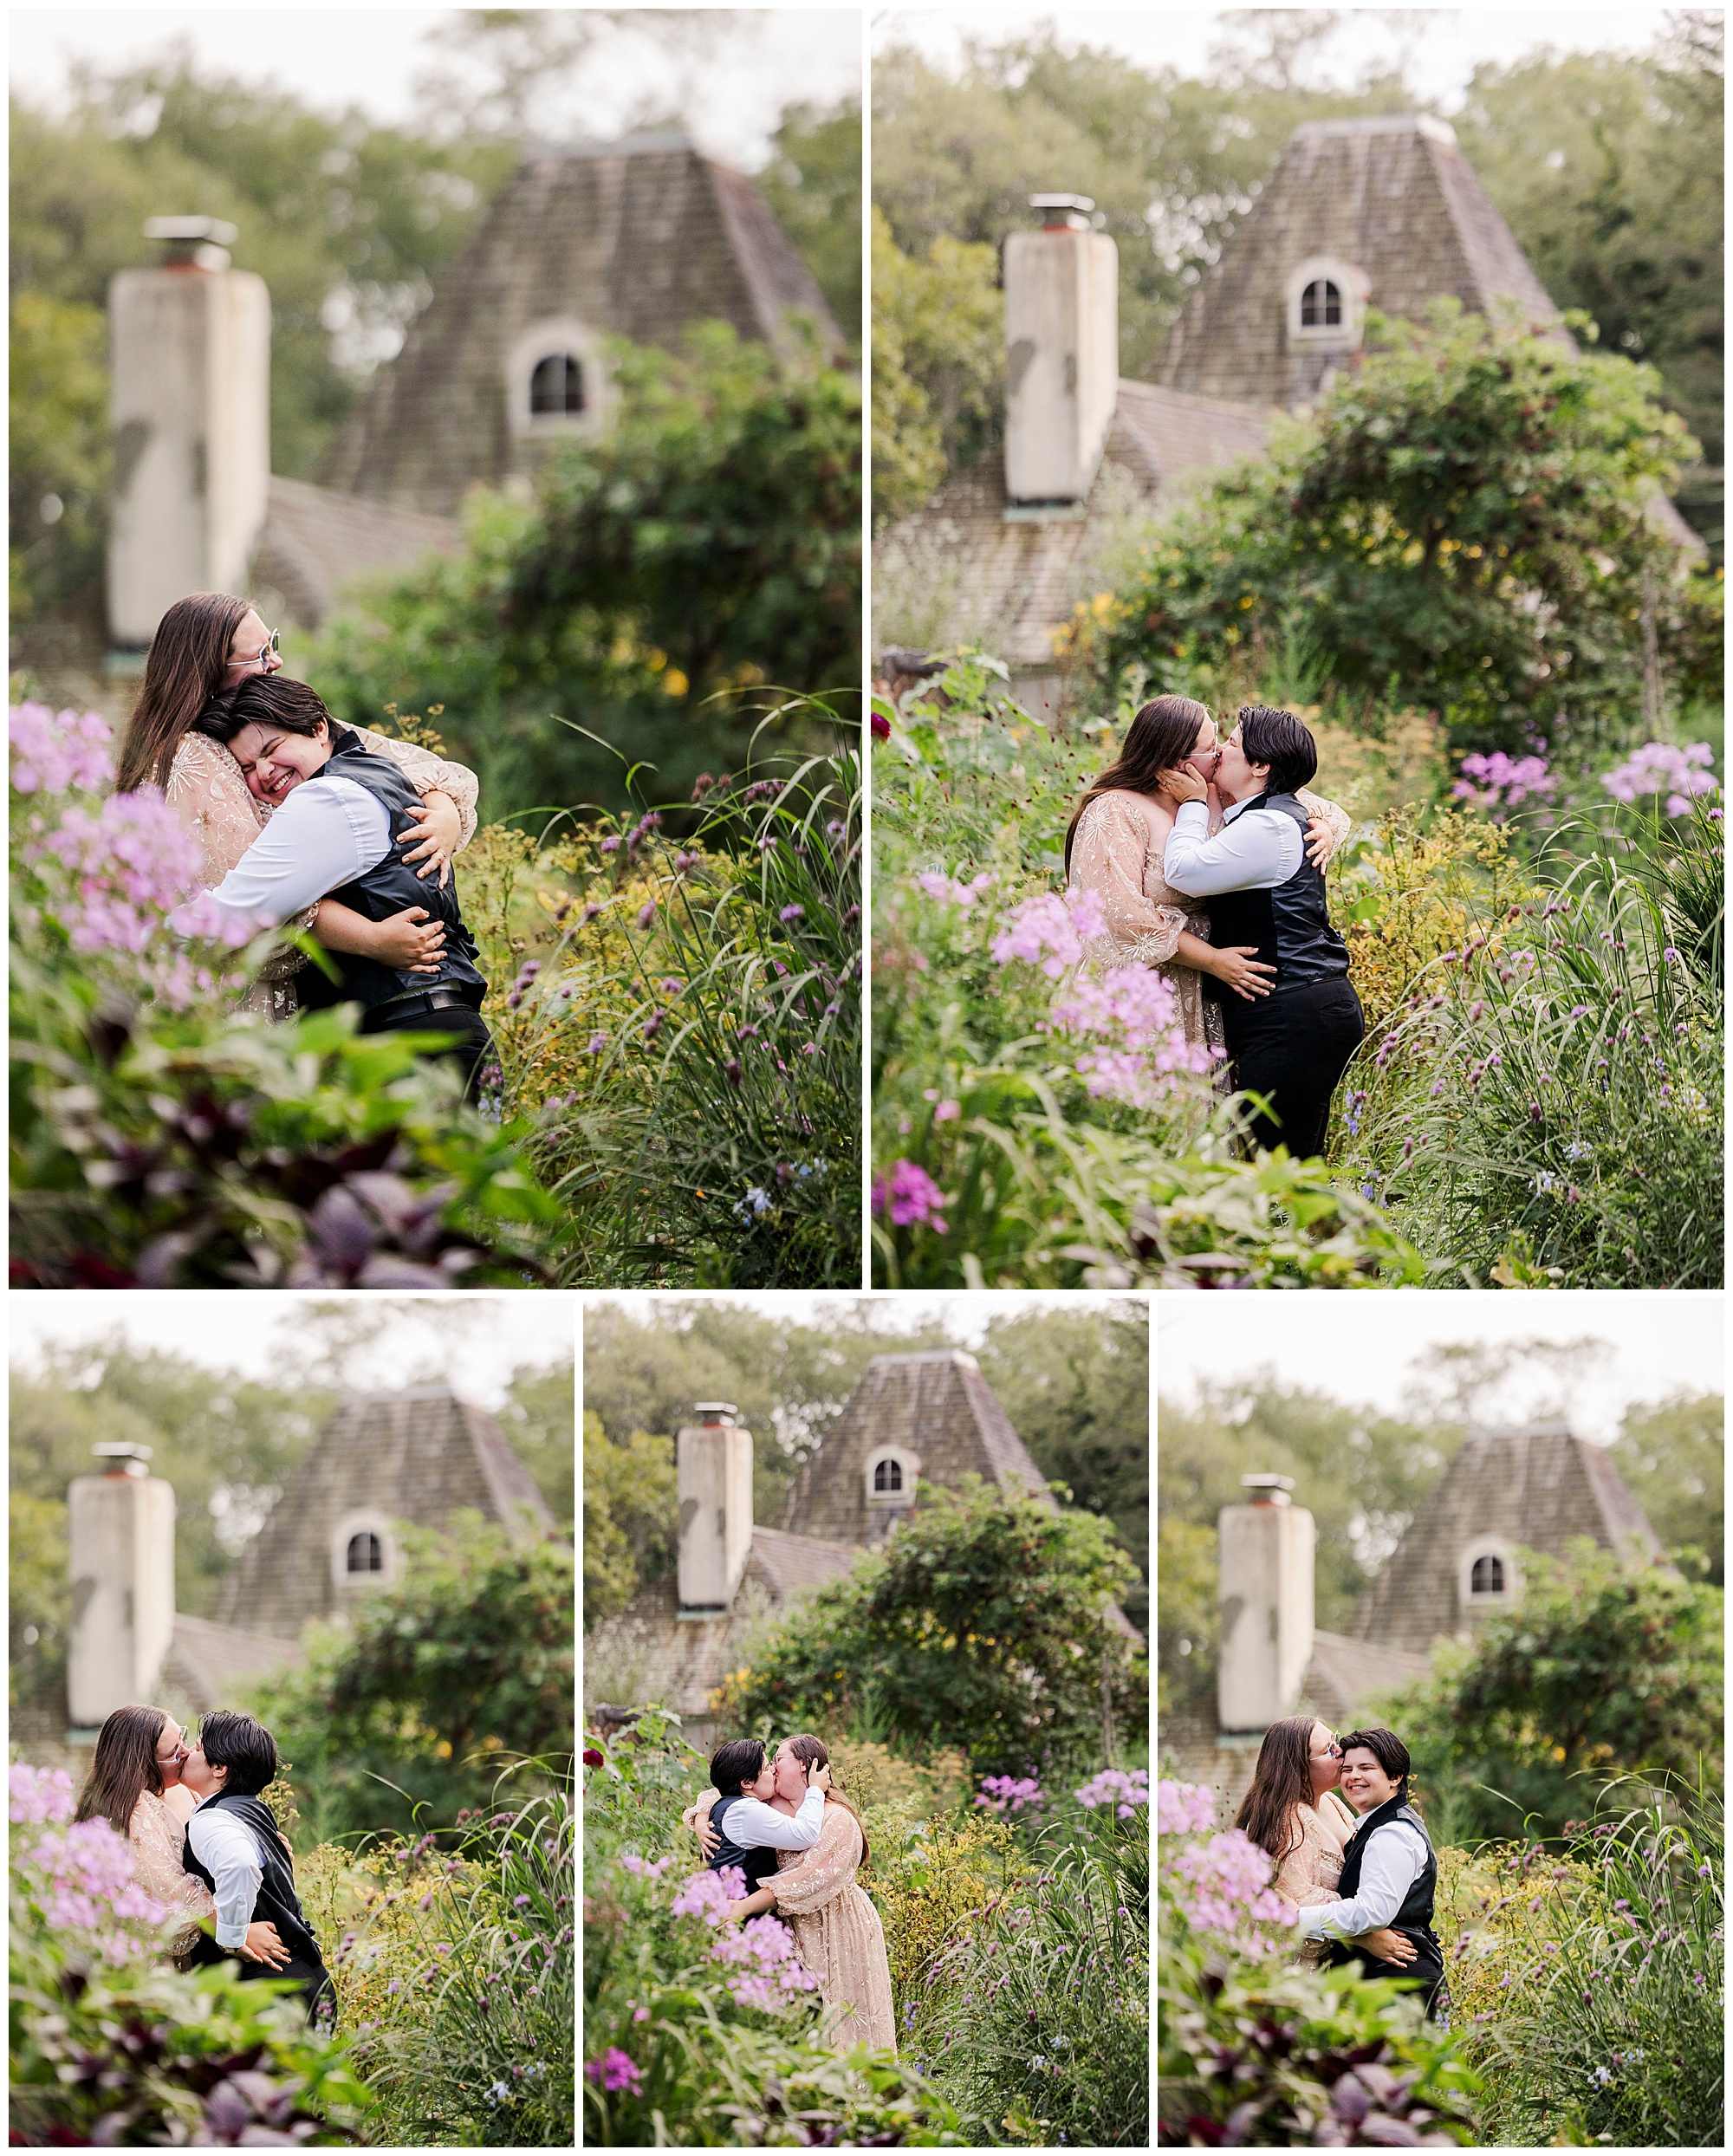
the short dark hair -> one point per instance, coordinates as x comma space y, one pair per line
245, 1747
267, 700
1384, 1745
736, 1763
1278, 739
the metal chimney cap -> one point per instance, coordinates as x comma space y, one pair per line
218, 231
124, 1459
716, 1410
1268, 1489
1085, 203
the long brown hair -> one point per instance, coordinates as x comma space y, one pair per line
1159, 737
125, 1766
188, 658
1281, 1783
810, 1752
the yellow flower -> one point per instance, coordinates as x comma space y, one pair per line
674, 682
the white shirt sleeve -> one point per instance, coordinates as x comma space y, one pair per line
1395, 1859
329, 831
225, 1846
1248, 852
751, 1825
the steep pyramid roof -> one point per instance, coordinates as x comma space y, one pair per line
937, 1406
641, 239
1396, 198
418, 1456
1537, 1487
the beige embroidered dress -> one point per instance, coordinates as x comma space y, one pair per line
206, 785
158, 1838
837, 1934
1116, 853
1309, 1873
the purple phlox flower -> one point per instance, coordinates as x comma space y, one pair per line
1135, 1047
947, 1112
1124, 1792
1224, 1885
1183, 1808
937, 885
1002, 1792
1050, 932
792, 914
613, 2070
1659, 766
59, 752
909, 1194
1498, 783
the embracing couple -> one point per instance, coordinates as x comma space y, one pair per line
1361, 1873
306, 823
799, 1842
1207, 858
205, 1844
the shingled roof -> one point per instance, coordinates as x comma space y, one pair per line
1394, 197
316, 544
417, 1456
206, 1662
641, 239
1537, 1488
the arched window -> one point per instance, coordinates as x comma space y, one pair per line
1320, 305
364, 1554
887, 1476
556, 385
893, 1470
1488, 1576
1326, 300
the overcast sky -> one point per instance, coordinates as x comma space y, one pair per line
1446, 44
964, 1315
1361, 1349
369, 57
474, 1342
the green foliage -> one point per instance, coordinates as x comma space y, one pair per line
538, 1416
434, 1684
708, 545
1460, 469
39, 1598
1673, 1459
1187, 1624
983, 1623
937, 364
629, 1525
58, 449
813, 186
935, 1884
1603, 1672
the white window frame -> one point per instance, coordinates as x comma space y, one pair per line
1355, 288
893, 1500
368, 1520
1488, 1546
548, 338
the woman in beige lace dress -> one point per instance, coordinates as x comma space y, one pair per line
837, 1934
206, 642
1114, 847
1294, 1810
134, 1783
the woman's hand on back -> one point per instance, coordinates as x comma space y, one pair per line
1320, 842
411, 940
439, 831
1384, 1945
1238, 967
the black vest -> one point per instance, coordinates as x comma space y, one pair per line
757, 1864
1413, 1920
276, 1901
1289, 925
389, 887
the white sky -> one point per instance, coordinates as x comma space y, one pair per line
1445, 43
964, 1315
1359, 1348
475, 1342
332, 58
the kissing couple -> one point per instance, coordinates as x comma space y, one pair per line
205, 1844
798, 1843
1362, 1872
1207, 858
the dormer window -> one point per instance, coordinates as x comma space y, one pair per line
887, 1476
364, 1552
556, 385
1326, 304
1486, 1576
555, 379
891, 1475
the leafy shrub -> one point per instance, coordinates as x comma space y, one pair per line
933, 1884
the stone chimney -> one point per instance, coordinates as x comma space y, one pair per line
1063, 353
713, 1480
122, 1547
189, 405
1266, 1547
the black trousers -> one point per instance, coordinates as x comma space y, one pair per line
475, 1043
313, 1976
1426, 1973
1293, 1047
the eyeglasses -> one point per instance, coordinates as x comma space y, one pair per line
270, 650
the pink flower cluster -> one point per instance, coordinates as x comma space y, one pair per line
1124, 1792
909, 1194
1050, 932
1134, 1014
59, 752
614, 2070
1184, 1808
763, 1964
78, 1876
1224, 1886
1501, 783
1659, 767
1004, 1793
937, 885
707, 1894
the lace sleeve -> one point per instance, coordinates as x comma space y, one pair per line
425, 771
204, 784
1340, 823
819, 1874
1308, 1875
158, 1838
1107, 857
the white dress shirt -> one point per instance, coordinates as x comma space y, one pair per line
1255, 856
227, 1847
750, 1825
328, 832
1395, 1857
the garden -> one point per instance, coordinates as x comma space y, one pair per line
1453, 571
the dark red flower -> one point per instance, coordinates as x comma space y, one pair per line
592, 1758
881, 727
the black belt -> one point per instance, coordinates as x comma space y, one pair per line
428, 999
